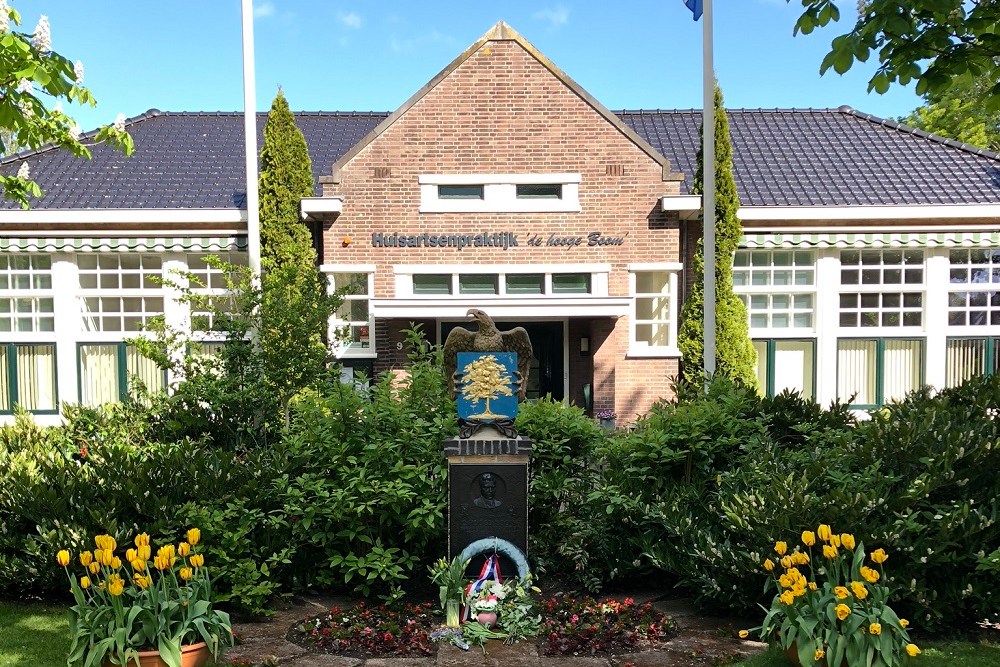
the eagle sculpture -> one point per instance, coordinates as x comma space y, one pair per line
488, 339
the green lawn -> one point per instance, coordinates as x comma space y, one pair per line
33, 634
935, 654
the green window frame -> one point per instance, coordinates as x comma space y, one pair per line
460, 191
126, 359
768, 348
539, 191
879, 385
437, 284
10, 379
961, 351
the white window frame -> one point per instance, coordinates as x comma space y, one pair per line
902, 288
637, 348
34, 296
749, 291
990, 287
344, 350
499, 193
98, 333
211, 289
598, 279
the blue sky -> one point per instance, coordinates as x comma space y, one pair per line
184, 55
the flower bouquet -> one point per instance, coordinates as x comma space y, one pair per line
831, 604
450, 578
142, 603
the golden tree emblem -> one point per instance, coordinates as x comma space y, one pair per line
484, 379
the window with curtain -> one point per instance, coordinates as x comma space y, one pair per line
786, 364
966, 358
28, 378
108, 369
876, 371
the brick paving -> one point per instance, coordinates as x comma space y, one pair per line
700, 642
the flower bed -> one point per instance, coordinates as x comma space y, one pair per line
586, 626
364, 631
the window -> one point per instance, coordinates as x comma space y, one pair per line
525, 283
432, 283
785, 364
974, 296
478, 283
539, 191
654, 325
120, 292
28, 378
499, 193
214, 284
878, 370
107, 368
571, 283
26, 293
870, 303
966, 358
777, 287
553, 280
353, 320
460, 192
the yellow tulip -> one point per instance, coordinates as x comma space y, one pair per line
879, 556
116, 588
824, 532
830, 552
785, 581
139, 565
903, 623
86, 558
94, 567
142, 540
183, 549
860, 592
875, 628
116, 563
769, 565
143, 582
841, 592
870, 575
813, 586
843, 611
818, 654
63, 558
787, 597
835, 540
786, 562
912, 650
847, 540
744, 634
85, 582
780, 548
144, 552
197, 560
131, 555
105, 542
194, 536
808, 538
186, 573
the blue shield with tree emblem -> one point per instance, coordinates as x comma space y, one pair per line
487, 389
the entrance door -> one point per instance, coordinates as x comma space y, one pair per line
547, 368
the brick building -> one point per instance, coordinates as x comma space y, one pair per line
870, 262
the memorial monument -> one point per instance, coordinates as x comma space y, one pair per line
488, 461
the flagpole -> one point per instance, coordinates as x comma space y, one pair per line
250, 141
708, 179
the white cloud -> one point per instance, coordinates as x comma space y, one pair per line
349, 19
556, 17
263, 9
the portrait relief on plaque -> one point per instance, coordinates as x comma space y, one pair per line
488, 490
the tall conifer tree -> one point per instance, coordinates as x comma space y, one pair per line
735, 354
285, 178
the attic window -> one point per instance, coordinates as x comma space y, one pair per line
499, 193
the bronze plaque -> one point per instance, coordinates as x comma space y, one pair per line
487, 500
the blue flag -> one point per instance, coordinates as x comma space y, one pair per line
695, 7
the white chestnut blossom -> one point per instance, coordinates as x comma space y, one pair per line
24, 171
26, 86
77, 69
119, 123
74, 132
42, 39
4, 16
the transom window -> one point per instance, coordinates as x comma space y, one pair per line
539, 191
502, 284
876, 371
499, 193
120, 271
653, 323
353, 321
120, 292
28, 378
460, 192
966, 358
974, 295
25, 293
870, 303
777, 287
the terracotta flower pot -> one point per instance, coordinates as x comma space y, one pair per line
192, 655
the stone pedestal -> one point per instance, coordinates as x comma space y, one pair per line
487, 494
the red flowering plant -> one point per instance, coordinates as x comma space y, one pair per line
400, 630
586, 626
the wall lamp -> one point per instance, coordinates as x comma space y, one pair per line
584, 346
